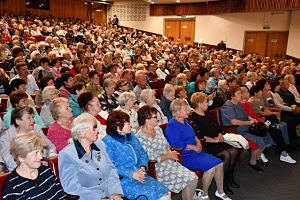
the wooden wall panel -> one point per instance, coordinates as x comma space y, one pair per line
219, 7
58, 8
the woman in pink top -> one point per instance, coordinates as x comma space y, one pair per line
60, 131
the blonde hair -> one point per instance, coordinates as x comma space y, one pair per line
180, 77
55, 108
24, 143
198, 97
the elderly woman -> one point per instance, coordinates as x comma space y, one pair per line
166, 99
205, 127
148, 98
49, 93
77, 89
22, 122
30, 179
252, 78
35, 57
180, 93
241, 80
233, 113
97, 177
60, 131
45, 81
129, 157
180, 134
83, 75
94, 85
221, 96
108, 99
127, 104
91, 106
18, 99
167, 164
161, 71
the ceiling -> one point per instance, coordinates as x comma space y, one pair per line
163, 1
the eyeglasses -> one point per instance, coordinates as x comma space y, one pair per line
94, 127
124, 84
154, 117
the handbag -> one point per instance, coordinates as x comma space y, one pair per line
258, 129
272, 118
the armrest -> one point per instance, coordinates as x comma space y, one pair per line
202, 144
179, 155
151, 168
229, 128
72, 197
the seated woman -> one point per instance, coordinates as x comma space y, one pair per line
206, 128
221, 96
108, 99
151, 73
49, 93
167, 165
83, 75
91, 106
97, 177
19, 84
180, 93
77, 89
126, 104
166, 99
22, 122
148, 98
67, 81
233, 113
94, 85
18, 99
30, 179
129, 157
45, 81
60, 131
281, 140
122, 86
180, 134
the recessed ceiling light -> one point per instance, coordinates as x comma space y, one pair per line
92, 3
178, 1
152, 2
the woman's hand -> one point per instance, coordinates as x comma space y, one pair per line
220, 137
173, 155
139, 175
115, 197
212, 96
198, 147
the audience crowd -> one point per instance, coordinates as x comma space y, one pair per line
109, 94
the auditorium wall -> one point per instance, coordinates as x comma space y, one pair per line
58, 8
293, 48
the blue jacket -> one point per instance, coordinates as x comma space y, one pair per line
37, 119
165, 107
73, 103
91, 179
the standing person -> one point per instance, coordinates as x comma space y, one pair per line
30, 179
180, 134
168, 171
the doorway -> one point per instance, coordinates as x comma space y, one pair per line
267, 44
180, 29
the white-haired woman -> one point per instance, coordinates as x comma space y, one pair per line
97, 177
161, 71
108, 99
252, 78
35, 57
30, 179
49, 93
126, 104
148, 98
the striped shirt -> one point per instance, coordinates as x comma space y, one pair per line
44, 187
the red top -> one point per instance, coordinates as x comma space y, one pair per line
247, 106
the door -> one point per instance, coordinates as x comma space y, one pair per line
187, 31
256, 42
172, 29
277, 44
180, 29
271, 44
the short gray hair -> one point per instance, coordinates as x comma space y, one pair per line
80, 124
47, 92
176, 106
145, 94
168, 90
124, 97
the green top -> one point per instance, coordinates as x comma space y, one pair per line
91, 89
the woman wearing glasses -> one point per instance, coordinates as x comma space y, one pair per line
84, 166
131, 160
